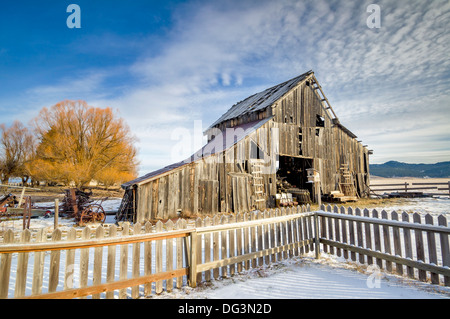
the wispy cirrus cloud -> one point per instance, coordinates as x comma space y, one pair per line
379, 81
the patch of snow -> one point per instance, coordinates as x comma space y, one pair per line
329, 277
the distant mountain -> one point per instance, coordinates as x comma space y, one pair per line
398, 169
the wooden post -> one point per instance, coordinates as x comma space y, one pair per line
193, 260
56, 217
27, 213
5, 265
21, 197
319, 196
445, 248
316, 237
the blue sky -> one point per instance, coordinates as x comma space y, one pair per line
172, 67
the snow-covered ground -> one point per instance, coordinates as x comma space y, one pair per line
307, 278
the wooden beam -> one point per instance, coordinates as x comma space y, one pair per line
81, 292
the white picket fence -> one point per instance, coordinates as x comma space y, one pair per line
137, 261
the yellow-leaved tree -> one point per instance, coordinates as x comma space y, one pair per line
78, 143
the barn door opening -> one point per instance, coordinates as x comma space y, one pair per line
292, 178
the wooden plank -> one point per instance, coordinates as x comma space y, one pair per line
121, 284
359, 235
407, 243
70, 261
216, 249
273, 257
253, 239
377, 238
337, 230
384, 185
5, 268
223, 245
155, 199
38, 266
330, 230
98, 253
232, 244
397, 243
208, 240
432, 254
136, 257
246, 235
445, 248
193, 261
289, 228
162, 191
159, 259
351, 229
387, 240
22, 265
239, 238
123, 274
111, 261
180, 224
266, 237
169, 256
284, 234
54, 263
300, 235
419, 246
309, 220
259, 230
344, 231
199, 224
368, 235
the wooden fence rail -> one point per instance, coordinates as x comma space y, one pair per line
147, 259
406, 187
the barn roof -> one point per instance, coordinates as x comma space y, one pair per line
217, 145
261, 100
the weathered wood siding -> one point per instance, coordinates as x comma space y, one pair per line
296, 117
221, 182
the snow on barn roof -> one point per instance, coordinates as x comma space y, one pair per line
220, 143
262, 100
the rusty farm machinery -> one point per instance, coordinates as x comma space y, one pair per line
79, 205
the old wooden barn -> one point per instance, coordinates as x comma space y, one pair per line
257, 157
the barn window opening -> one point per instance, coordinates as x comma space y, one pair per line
320, 121
255, 151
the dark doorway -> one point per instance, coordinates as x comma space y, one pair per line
292, 176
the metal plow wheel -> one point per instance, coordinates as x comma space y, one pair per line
92, 214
